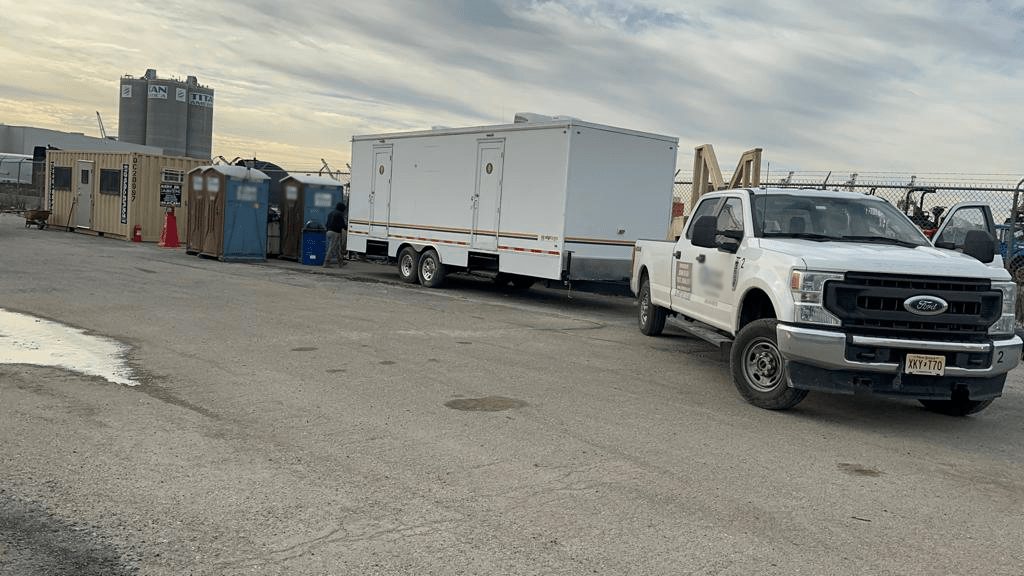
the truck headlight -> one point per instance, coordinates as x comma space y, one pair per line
1007, 320
808, 289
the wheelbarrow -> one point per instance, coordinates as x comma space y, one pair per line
36, 218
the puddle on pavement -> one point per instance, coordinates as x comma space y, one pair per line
486, 404
26, 339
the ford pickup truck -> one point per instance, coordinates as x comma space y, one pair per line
837, 292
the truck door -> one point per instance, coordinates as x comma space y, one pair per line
711, 277
487, 195
83, 195
380, 192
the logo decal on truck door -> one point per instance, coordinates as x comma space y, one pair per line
684, 277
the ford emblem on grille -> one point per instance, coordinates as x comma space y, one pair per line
925, 305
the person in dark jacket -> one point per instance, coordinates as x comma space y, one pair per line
337, 239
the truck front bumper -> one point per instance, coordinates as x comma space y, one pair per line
826, 360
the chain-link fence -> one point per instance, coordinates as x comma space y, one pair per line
924, 200
22, 184
920, 198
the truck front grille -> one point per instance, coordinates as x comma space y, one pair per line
872, 305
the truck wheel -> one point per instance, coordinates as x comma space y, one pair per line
652, 316
957, 407
758, 369
408, 265
431, 270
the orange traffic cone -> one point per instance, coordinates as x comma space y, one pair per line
169, 235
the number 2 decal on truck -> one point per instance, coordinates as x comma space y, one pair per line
736, 267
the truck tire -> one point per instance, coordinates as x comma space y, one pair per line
956, 407
409, 265
758, 369
652, 316
431, 271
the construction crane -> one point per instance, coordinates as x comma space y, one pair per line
103, 131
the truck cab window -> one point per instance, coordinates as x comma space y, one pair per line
962, 221
730, 219
705, 208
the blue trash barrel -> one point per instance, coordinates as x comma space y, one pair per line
314, 243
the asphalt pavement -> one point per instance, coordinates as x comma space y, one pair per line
293, 420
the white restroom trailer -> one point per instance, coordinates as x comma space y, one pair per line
550, 198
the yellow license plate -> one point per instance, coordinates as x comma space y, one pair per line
926, 364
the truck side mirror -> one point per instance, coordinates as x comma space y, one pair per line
980, 245
704, 232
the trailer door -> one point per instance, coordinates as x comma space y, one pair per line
83, 195
487, 196
380, 192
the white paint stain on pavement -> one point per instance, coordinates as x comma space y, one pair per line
30, 340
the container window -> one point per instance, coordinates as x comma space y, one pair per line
171, 175
62, 178
110, 181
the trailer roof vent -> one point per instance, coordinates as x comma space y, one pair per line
523, 117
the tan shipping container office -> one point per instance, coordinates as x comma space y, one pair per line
110, 193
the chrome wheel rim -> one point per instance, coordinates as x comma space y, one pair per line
645, 307
429, 267
762, 365
407, 265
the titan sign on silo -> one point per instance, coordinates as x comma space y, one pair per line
167, 113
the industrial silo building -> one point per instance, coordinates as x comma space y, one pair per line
199, 136
131, 120
167, 113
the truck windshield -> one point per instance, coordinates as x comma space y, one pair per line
847, 219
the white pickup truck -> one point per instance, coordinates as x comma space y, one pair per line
837, 292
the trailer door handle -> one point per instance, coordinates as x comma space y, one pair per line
700, 258
677, 254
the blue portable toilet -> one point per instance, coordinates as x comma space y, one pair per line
305, 199
230, 204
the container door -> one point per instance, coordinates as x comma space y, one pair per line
83, 195
196, 212
487, 196
213, 228
380, 192
291, 220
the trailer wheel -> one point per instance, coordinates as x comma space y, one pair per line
956, 407
431, 270
408, 265
652, 317
758, 369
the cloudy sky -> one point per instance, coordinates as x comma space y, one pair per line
869, 86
